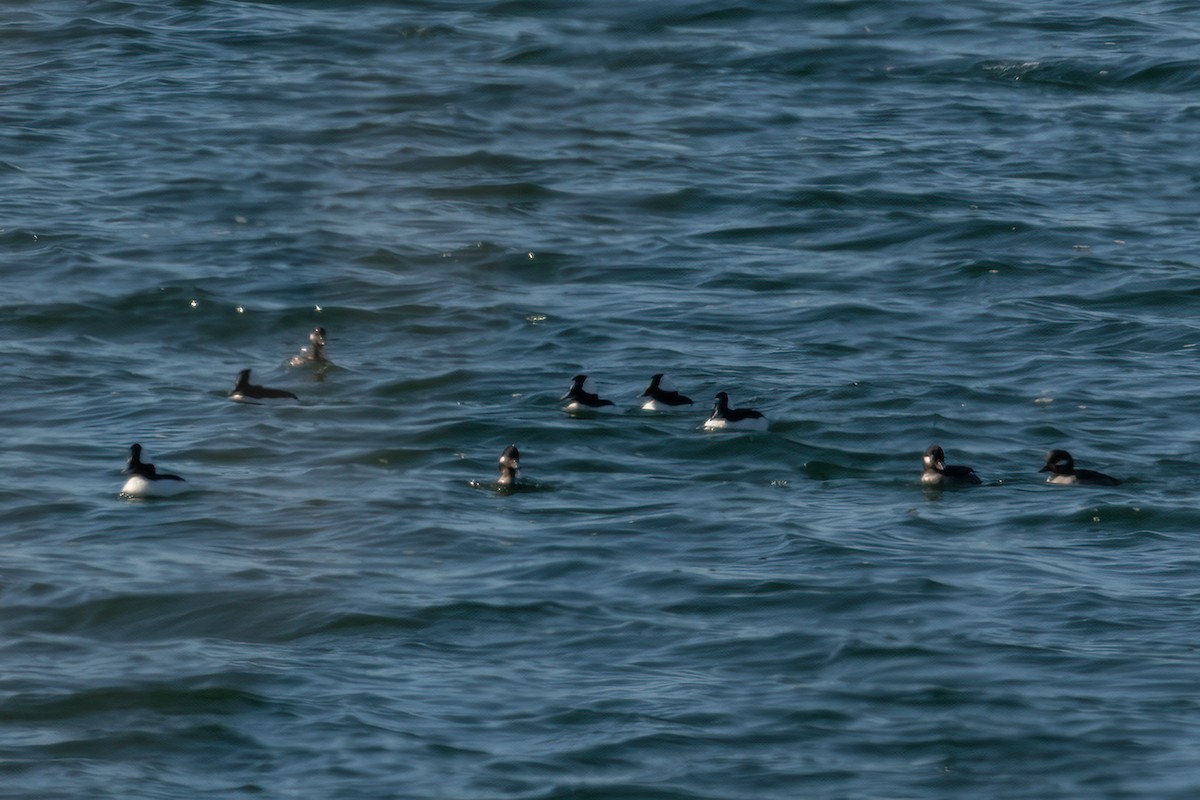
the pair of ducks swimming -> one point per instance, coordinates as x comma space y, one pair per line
146, 481
1059, 464
663, 398
313, 353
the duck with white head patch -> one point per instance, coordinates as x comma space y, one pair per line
314, 353
1061, 467
245, 390
939, 473
726, 418
146, 481
583, 399
662, 396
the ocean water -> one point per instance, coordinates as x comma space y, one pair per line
882, 224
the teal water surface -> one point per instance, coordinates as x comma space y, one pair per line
884, 225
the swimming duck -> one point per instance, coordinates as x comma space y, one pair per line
938, 473
145, 481
245, 390
584, 399
314, 352
662, 397
724, 417
510, 467
1061, 467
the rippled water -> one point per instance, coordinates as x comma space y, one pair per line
882, 224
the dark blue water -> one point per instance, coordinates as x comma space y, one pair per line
882, 224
